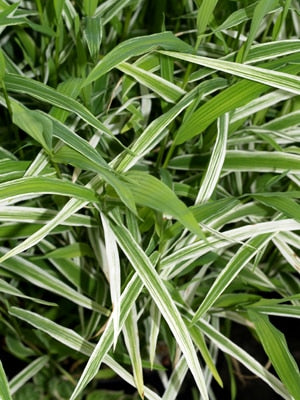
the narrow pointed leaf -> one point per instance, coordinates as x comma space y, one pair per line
235, 265
275, 346
164, 302
134, 47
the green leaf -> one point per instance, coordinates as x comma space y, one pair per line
276, 347
240, 160
204, 14
131, 336
37, 276
261, 9
228, 347
66, 155
163, 300
35, 124
277, 79
27, 373
232, 269
167, 90
19, 188
4, 389
135, 47
286, 205
70, 251
93, 34
40, 91
150, 192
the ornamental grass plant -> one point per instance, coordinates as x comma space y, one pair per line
149, 187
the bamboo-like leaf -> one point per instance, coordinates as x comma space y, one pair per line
66, 155
163, 300
226, 345
33, 215
114, 273
280, 310
131, 336
154, 331
153, 193
134, 47
93, 34
204, 14
235, 265
197, 249
277, 79
21, 84
37, 276
286, 205
33, 123
27, 373
214, 168
176, 379
128, 297
277, 350
156, 131
261, 9
167, 90
4, 388
7, 288
73, 340
14, 190
240, 160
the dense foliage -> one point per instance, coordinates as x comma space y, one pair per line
149, 175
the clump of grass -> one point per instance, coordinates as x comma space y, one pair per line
149, 178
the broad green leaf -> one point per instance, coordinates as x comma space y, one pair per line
37, 276
2, 67
286, 205
4, 389
38, 90
163, 300
14, 190
66, 155
228, 99
277, 79
151, 192
33, 123
200, 343
232, 269
27, 373
276, 347
135, 47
